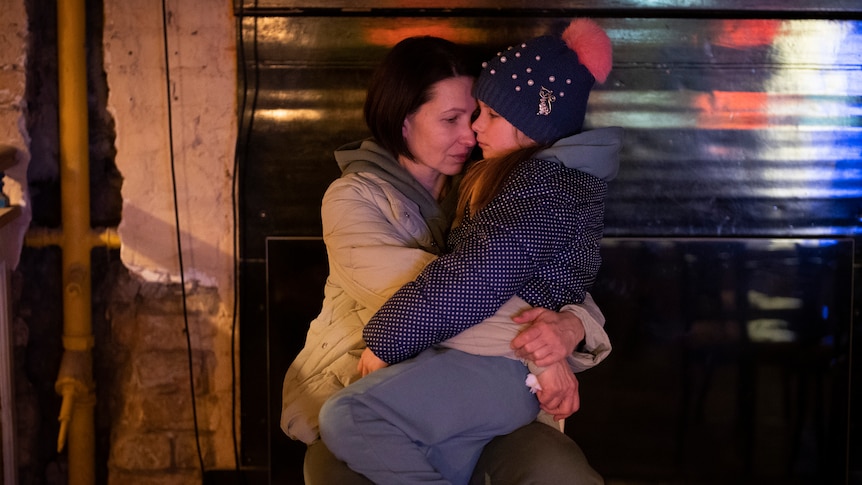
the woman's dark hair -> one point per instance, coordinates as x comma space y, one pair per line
403, 81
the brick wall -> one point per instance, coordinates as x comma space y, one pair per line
153, 435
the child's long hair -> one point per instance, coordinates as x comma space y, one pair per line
484, 179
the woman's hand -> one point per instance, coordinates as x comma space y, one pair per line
368, 362
550, 336
559, 396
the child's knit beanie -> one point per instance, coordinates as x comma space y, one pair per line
542, 85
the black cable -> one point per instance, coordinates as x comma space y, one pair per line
234, 180
179, 235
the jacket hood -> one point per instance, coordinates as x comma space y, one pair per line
367, 156
596, 152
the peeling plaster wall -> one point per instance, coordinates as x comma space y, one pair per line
202, 58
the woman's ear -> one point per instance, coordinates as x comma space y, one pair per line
405, 128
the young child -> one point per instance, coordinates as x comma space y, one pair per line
530, 227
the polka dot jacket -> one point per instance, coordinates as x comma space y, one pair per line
538, 239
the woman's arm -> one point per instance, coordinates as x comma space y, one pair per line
596, 345
576, 333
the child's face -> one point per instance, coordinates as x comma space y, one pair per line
495, 135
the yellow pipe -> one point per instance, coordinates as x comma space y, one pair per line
106, 237
39, 237
75, 380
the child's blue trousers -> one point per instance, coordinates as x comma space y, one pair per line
426, 420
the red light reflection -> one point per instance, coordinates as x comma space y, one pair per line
747, 33
725, 110
445, 29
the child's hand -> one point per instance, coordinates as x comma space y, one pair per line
368, 362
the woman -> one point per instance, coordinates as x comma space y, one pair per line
385, 219
530, 234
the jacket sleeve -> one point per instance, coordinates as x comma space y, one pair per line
597, 344
507, 242
370, 237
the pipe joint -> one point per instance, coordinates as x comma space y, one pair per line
76, 395
106, 237
76, 370
75, 384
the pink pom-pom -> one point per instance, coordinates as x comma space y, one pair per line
592, 45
